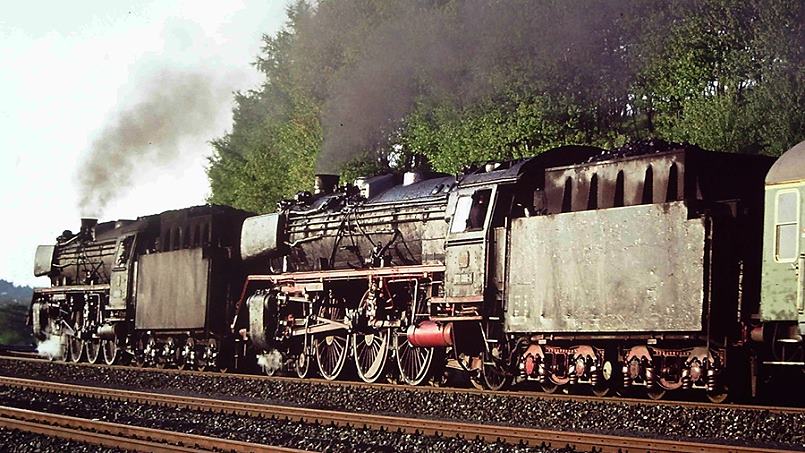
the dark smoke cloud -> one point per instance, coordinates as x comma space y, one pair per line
175, 106
459, 53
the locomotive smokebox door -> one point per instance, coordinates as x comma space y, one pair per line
43, 263
467, 243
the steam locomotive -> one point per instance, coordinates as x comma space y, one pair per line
650, 268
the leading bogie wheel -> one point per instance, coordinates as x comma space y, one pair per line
370, 351
331, 353
413, 362
304, 360
302, 365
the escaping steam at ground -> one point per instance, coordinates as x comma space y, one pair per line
52, 348
176, 105
270, 362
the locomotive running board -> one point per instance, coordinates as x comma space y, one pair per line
348, 274
71, 289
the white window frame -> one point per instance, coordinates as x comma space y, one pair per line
777, 224
461, 214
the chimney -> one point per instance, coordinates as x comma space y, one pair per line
412, 177
325, 184
88, 228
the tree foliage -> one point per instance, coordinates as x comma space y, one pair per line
369, 85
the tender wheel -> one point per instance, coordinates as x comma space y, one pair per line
370, 351
331, 354
414, 363
604, 386
150, 352
187, 355
139, 353
209, 357
93, 350
719, 395
550, 387
656, 392
110, 351
165, 354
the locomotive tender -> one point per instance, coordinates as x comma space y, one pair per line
634, 269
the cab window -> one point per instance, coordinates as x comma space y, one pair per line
786, 227
123, 251
471, 212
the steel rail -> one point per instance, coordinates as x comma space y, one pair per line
489, 433
526, 394
121, 436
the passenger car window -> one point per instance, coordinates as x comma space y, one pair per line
786, 227
471, 212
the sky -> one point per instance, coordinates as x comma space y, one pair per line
68, 71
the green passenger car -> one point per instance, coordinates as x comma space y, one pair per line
782, 308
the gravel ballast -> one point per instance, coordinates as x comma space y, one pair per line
304, 436
716, 425
24, 442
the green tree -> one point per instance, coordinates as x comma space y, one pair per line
731, 77
270, 152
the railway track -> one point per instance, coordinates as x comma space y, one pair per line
490, 433
434, 389
126, 437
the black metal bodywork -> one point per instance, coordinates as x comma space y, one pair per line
174, 273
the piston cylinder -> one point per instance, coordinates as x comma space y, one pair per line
107, 332
429, 334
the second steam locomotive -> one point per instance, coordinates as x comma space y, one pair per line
652, 267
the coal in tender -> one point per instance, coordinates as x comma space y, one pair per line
640, 148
